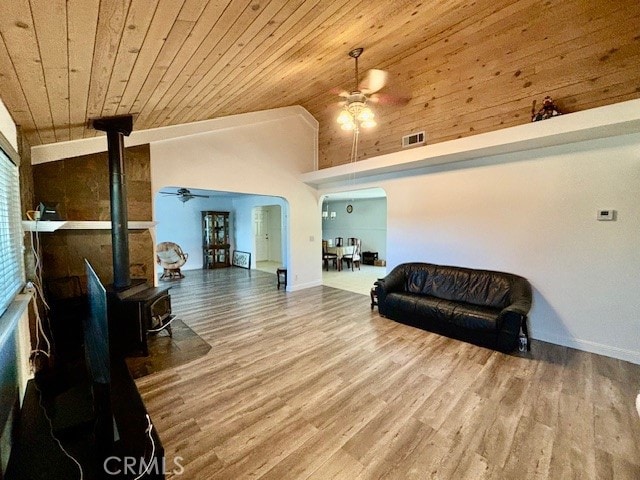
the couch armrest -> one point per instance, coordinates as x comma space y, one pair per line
393, 282
520, 307
512, 319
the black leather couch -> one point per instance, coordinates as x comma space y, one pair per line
483, 307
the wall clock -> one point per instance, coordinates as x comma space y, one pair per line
349, 208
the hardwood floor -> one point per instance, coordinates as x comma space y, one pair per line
313, 384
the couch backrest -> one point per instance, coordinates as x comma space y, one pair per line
477, 287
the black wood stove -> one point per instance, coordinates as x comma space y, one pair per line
135, 307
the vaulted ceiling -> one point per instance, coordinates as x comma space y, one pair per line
468, 67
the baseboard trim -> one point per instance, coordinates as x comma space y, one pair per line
302, 286
632, 356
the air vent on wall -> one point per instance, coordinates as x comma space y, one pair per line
413, 139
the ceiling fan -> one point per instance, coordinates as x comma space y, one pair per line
355, 112
184, 194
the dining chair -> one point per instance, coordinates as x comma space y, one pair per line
351, 241
353, 258
338, 241
327, 257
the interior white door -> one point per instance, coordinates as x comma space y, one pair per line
261, 233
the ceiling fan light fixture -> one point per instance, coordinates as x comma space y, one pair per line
364, 115
344, 117
356, 114
349, 126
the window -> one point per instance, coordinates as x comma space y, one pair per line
11, 262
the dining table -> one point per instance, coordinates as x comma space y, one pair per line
340, 252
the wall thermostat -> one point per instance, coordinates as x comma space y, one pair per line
607, 214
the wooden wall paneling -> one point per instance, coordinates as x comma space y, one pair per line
241, 21
65, 250
203, 61
197, 66
82, 22
80, 188
192, 10
163, 19
194, 50
17, 30
458, 59
336, 66
261, 60
50, 22
253, 34
227, 46
292, 12
545, 75
526, 50
13, 96
399, 23
447, 83
112, 16
339, 72
291, 65
180, 32
137, 23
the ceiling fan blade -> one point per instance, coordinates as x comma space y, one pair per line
390, 99
339, 91
169, 193
197, 195
373, 81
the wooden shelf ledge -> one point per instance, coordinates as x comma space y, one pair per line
596, 123
52, 226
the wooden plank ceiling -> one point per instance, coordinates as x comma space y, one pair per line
468, 67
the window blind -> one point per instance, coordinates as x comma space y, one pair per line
11, 262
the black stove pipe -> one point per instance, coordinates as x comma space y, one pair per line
116, 128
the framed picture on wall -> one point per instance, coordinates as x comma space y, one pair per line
241, 259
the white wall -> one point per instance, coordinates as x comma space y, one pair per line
368, 222
181, 223
534, 214
264, 158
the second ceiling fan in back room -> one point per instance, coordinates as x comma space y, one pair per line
184, 194
356, 113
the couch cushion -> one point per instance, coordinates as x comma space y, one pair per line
450, 283
434, 308
401, 302
476, 287
420, 279
475, 317
460, 314
490, 289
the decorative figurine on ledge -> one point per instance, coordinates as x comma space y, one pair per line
548, 110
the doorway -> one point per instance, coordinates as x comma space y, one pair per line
267, 237
360, 214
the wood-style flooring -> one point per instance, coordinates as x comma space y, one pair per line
313, 384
